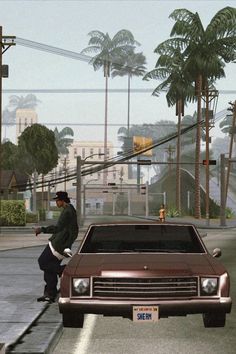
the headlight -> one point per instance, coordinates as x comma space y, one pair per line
209, 286
80, 286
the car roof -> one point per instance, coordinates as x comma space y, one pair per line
149, 222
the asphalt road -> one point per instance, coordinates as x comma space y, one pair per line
185, 335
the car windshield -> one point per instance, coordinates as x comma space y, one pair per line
142, 238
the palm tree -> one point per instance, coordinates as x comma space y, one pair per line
30, 101
62, 140
170, 67
108, 49
131, 64
205, 52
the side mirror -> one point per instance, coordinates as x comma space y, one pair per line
216, 252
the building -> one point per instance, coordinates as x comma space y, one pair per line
93, 151
12, 182
24, 118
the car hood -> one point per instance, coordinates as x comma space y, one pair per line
144, 264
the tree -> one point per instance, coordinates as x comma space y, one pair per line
9, 158
129, 64
205, 52
37, 150
62, 140
108, 49
30, 101
170, 67
155, 131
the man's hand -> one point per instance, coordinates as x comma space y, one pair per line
37, 231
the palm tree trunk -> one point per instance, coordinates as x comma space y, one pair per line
197, 200
128, 125
128, 117
105, 123
207, 155
178, 170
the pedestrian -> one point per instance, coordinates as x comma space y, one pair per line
64, 234
162, 213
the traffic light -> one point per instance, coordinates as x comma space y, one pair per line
143, 190
210, 162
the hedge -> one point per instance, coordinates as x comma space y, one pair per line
12, 213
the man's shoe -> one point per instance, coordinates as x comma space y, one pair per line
46, 299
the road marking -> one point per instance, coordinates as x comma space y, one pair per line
85, 335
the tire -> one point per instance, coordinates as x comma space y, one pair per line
73, 320
214, 319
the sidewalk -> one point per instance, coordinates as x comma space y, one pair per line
21, 283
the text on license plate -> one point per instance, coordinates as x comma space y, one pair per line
145, 313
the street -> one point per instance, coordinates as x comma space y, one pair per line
108, 335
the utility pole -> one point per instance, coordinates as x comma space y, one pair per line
232, 132
6, 42
78, 190
222, 190
208, 96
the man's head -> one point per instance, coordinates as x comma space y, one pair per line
61, 198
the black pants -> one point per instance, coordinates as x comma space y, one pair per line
51, 266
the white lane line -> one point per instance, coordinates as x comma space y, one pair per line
85, 335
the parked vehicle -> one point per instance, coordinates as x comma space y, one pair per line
144, 271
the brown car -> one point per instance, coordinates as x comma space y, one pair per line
144, 271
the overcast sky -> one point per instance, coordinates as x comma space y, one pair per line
66, 24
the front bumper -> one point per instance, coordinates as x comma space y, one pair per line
167, 308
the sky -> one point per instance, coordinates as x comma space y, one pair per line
65, 24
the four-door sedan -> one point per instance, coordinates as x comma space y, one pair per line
144, 271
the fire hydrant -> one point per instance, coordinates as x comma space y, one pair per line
162, 213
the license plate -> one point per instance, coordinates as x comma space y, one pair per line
145, 313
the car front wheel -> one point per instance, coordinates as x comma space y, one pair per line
73, 320
214, 319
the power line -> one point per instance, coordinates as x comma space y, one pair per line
77, 56
51, 49
93, 90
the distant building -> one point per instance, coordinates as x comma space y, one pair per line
115, 174
11, 183
24, 118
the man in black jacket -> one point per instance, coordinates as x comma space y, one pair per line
64, 233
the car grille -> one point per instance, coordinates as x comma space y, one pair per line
144, 287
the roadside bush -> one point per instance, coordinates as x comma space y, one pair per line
172, 212
12, 213
31, 218
42, 214
229, 213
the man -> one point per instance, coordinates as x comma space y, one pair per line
64, 233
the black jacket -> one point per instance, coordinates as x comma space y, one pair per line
65, 232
